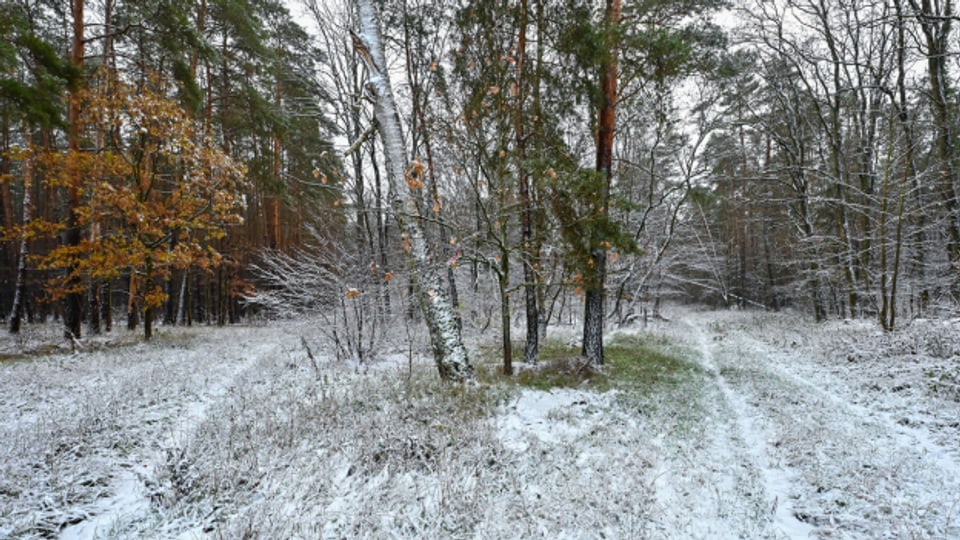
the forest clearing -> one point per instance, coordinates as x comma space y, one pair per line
712, 424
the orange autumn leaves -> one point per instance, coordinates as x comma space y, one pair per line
156, 191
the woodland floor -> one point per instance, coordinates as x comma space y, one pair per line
739, 425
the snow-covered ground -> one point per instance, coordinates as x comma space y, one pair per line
778, 428
850, 430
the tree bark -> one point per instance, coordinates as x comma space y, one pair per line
93, 302
272, 203
73, 307
133, 309
503, 282
449, 352
106, 306
936, 20
421, 137
148, 308
532, 312
606, 122
19, 293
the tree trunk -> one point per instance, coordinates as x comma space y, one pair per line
382, 238
936, 20
539, 214
148, 308
220, 297
918, 234
503, 283
272, 202
606, 122
93, 301
133, 311
6, 196
74, 301
420, 136
19, 293
106, 307
531, 310
182, 307
449, 352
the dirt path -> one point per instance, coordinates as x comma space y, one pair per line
130, 501
830, 465
86, 432
777, 478
718, 478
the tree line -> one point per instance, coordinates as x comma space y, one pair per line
557, 159
149, 150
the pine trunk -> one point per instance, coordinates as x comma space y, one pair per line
606, 122
133, 310
147, 308
74, 301
532, 312
93, 301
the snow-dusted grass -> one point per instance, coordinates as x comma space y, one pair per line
856, 442
348, 454
76, 424
711, 425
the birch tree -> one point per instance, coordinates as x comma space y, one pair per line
449, 352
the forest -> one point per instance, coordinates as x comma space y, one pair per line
207, 161
659, 269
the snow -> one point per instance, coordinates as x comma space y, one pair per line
834, 449
560, 416
777, 478
780, 429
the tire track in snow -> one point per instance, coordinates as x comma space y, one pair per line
777, 480
895, 476
859, 472
910, 437
129, 503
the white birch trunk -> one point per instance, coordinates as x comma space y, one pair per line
448, 351
182, 301
16, 313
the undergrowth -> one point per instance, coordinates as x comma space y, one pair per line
366, 429
633, 363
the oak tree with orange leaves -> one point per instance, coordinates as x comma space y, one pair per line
153, 198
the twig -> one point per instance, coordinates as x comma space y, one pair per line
313, 361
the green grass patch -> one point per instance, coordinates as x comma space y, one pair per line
646, 364
654, 378
568, 372
558, 366
635, 363
660, 381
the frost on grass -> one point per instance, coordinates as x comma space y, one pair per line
342, 454
746, 426
860, 441
371, 456
581, 464
82, 430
